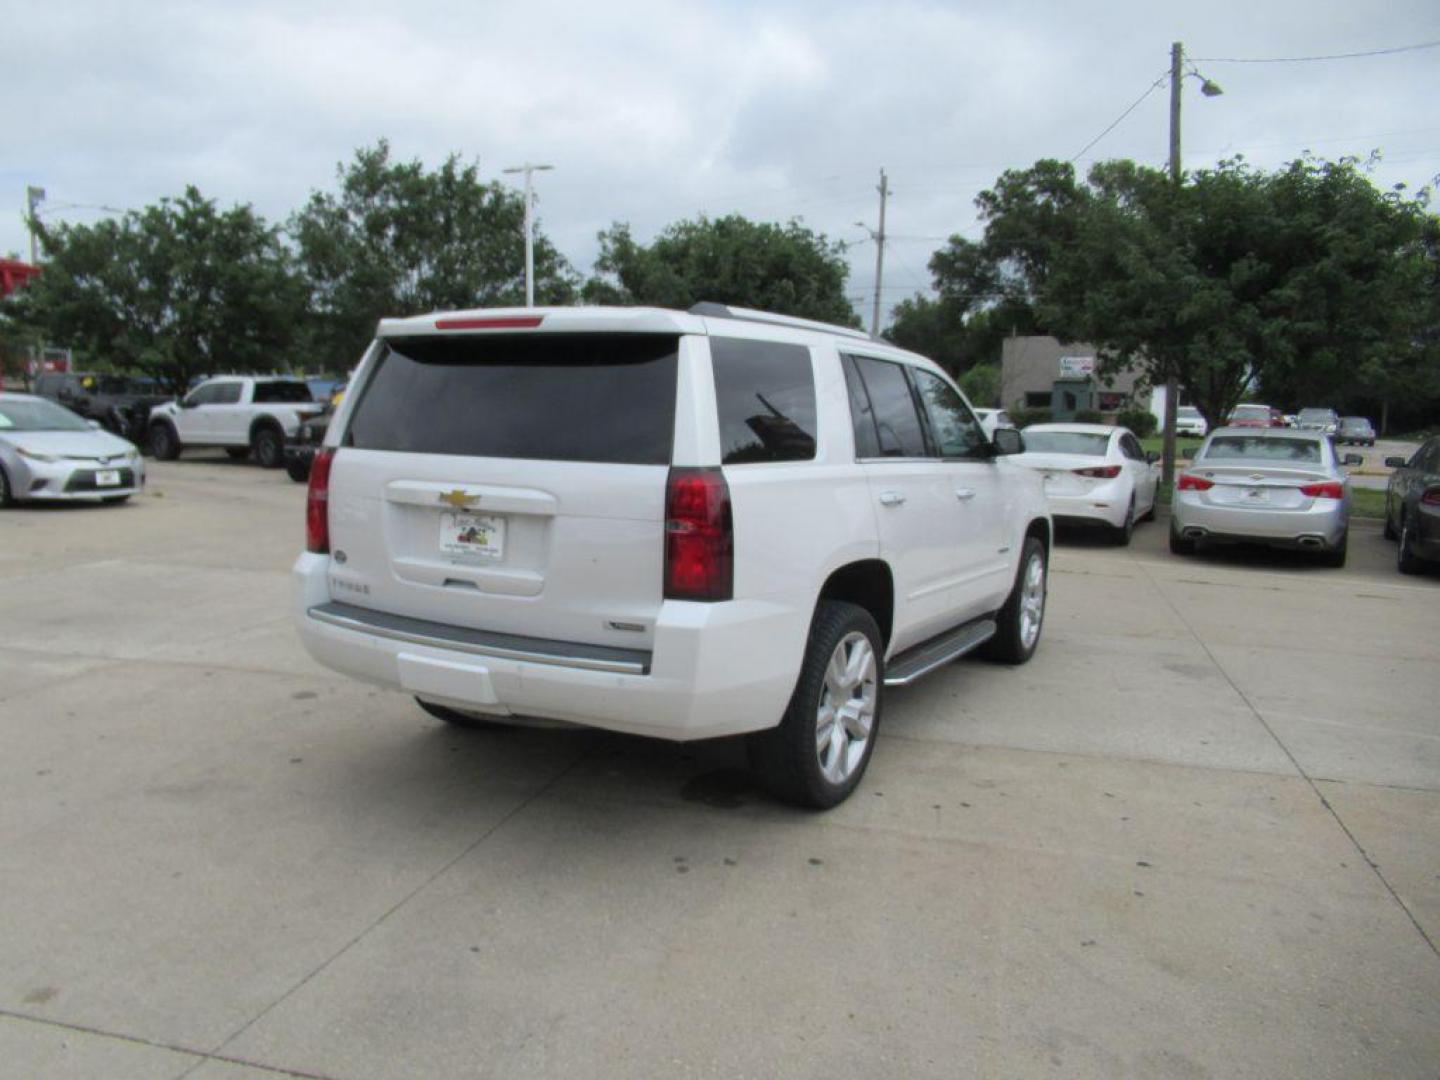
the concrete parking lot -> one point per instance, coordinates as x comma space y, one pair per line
1198, 836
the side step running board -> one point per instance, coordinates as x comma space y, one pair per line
929, 655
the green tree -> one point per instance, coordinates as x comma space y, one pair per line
176, 290
1295, 279
397, 239
786, 269
982, 385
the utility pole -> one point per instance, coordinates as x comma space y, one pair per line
34, 196
529, 171
878, 235
1172, 384
884, 190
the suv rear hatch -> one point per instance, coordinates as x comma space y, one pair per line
510, 482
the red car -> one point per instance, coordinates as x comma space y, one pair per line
1257, 416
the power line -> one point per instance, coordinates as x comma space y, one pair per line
1116, 123
1311, 59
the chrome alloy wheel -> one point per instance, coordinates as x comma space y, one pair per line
847, 708
1032, 600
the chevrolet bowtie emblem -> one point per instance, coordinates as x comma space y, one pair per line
458, 499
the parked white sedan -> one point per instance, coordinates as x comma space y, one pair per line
1093, 473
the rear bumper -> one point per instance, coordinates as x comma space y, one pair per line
713, 669
1425, 533
1105, 504
1323, 525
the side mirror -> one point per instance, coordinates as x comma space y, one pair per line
1007, 441
1151, 457
1354, 459
1395, 463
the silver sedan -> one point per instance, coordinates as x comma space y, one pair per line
1274, 486
47, 452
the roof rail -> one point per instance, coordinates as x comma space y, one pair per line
713, 310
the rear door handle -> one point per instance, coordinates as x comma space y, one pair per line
964, 494
891, 498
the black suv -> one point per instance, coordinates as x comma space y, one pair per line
121, 403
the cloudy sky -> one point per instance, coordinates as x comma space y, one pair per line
655, 111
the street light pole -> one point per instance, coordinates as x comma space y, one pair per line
529, 171
1172, 384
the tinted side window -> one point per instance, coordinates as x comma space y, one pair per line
765, 395
225, 393
294, 392
204, 394
551, 397
957, 433
897, 422
1130, 447
862, 417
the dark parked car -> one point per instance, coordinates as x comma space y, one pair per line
300, 451
1357, 430
1412, 507
121, 403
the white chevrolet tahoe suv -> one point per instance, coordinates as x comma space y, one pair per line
244, 414
674, 524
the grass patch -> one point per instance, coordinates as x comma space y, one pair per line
1367, 503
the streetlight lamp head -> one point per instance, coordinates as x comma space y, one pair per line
1210, 89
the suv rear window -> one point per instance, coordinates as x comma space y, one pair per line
270, 393
765, 395
606, 398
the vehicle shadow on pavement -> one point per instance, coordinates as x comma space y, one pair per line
605, 765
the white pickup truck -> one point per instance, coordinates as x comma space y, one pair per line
241, 413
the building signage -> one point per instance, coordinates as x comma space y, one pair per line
1077, 367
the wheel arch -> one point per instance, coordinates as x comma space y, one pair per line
262, 422
866, 583
1041, 529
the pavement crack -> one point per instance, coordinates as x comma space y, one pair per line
1300, 769
157, 1044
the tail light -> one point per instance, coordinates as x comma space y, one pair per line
699, 536
1326, 489
1190, 482
317, 503
1431, 496
1100, 472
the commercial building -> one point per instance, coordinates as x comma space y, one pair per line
1039, 372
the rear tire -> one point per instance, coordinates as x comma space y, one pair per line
460, 719
6, 497
164, 443
1389, 529
1180, 545
1408, 562
298, 469
1126, 530
817, 755
269, 447
1022, 618
1336, 558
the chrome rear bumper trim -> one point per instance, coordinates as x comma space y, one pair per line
482, 642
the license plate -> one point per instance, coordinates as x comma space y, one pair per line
472, 534
107, 478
